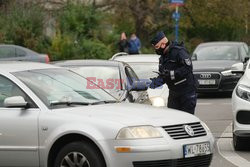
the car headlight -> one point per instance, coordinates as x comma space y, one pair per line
138, 132
227, 73
205, 126
243, 92
157, 101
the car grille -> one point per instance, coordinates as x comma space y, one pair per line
179, 132
199, 161
212, 76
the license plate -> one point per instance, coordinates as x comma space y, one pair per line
199, 149
207, 82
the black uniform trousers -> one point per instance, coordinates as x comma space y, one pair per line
183, 101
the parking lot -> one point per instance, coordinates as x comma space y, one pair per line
124, 83
219, 121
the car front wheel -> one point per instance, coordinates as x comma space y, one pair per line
79, 154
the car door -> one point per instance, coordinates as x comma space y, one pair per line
18, 129
134, 96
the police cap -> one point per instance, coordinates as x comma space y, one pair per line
159, 36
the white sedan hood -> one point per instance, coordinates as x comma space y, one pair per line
132, 114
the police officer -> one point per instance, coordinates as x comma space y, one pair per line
176, 70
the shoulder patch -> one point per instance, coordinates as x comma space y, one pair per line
188, 62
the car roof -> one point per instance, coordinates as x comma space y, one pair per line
15, 66
88, 62
140, 58
220, 43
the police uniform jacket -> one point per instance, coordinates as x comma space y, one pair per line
177, 62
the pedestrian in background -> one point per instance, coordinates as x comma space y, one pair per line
123, 43
176, 70
134, 44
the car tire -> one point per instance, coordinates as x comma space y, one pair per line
80, 154
238, 143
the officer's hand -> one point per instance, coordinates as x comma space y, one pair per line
150, 83
165, 73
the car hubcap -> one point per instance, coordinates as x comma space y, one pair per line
75, 159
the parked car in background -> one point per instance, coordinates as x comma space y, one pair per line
49, 119
213, 63
19, 53
241, 111
145, 66
115, 77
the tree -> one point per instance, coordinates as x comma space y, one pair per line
214, 19
143, 17
21, 26
76, 36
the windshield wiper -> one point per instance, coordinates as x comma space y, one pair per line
104, 102
68, 103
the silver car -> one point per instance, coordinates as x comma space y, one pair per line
50, 118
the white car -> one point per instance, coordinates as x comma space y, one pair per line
241, 111
145, 66
50, 119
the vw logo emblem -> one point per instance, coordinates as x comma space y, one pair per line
189, 130
203, 76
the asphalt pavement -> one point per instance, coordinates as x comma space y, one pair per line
215, 110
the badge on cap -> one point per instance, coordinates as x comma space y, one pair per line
188, 62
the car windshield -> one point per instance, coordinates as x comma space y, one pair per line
107, 80
219, 52
62, 86
145, 70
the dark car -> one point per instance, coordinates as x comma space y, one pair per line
117, 78
19, 53
213, 63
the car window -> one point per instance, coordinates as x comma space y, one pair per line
145, 70
9, 89
7, 52
61, 85
20, 52
106, 76
219, 52
131, 75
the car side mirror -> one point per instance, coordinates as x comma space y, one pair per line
246, 59
139, 86
15, 102
237, 68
